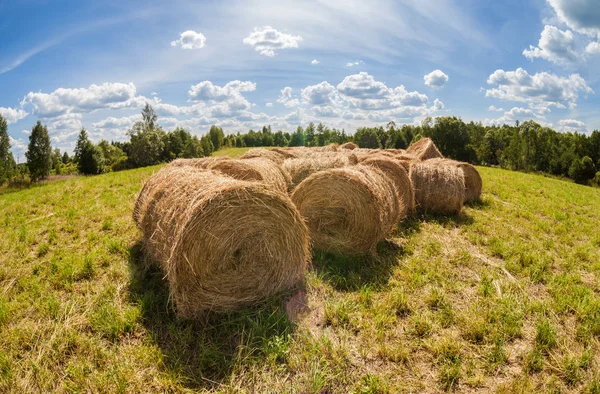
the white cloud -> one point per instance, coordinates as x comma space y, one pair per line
113, 123
286, 98
321, 94
509, 117
572, 125
267, 40
583, 16
363, 86
63, 101
189, 39
436, 79
494, 108
541, 89
593, 48
19, 145
437, 105
315, 61
354, 63
226, 100
269, 105
153, 94
12, 115
555, 45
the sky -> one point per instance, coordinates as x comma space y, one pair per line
245, 64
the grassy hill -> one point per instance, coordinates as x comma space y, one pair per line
504, 298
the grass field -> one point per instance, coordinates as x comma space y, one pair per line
503, 298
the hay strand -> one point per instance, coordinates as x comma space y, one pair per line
265, 154
439, 189
399, 177
255, 169
424, 149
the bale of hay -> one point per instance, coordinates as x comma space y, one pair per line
348, 210
255, 169
202, 163
424, 149
399, 177
329, 148
222, 243
300, 169
349, 145
287, 153
439, 189
473, 182
265, 154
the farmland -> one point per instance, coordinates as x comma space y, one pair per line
503, 297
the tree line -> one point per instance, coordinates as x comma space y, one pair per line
526, 146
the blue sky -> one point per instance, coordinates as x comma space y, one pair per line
244, 64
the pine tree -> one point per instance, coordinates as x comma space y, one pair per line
39, 153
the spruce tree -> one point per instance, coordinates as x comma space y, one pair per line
6, 159
39, 153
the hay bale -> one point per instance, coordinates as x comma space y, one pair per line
473, 182
399, 177
424, 149
348, 210
349, 145
265, 154
255, 169
329, 148
202, 163
287, 153
300, 169
222, 243
439, 189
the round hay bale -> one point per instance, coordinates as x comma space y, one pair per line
399, 177
300, 169
329, 148
202, 163
473, 182
348, 210
349, 145
265, 154
439, 189
285, 152
255, 169
222, 243
424, 149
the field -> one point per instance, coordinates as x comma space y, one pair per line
503, 298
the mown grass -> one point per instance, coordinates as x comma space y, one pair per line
503, 298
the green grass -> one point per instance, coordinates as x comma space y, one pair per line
503, 298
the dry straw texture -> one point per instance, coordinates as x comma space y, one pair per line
221, 242
424, 149
439, 188
202, 163
300, 169
399, 176
255, 169
349, 145
285, 152
348, 210
265, 154
473, 182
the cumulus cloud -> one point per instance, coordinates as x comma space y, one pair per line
437, 105
514, 114
225, 100
189, 39
436, 79
321, 94
542, 89
593, 48
12, 115
286, 98
572, 125
113, 123
583, 16
63, 101
269, 105
315, 61
495, 109
267, 40
555, 45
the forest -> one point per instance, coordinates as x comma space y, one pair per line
526, 146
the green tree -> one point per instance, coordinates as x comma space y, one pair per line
216, 137
207, 146
309, 135
112, 154
298, 137
65, 158
91, 160
146, 140
39, 153
367, 138
7, 161
56, 161
582, 170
